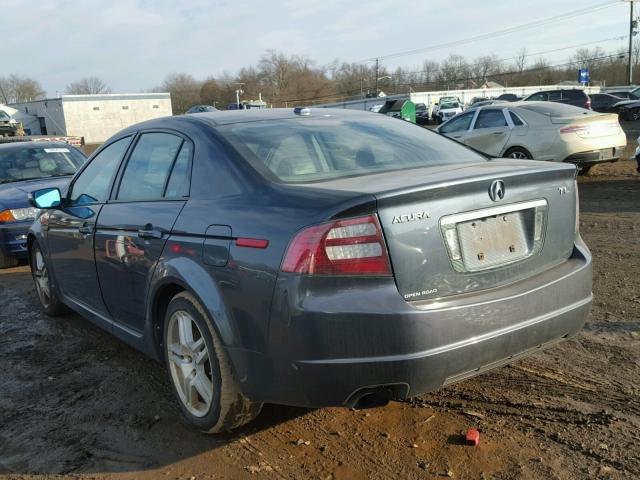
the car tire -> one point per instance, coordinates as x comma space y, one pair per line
199, 370
47, 293
7, 262
518, 153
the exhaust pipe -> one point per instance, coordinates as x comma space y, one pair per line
372, 398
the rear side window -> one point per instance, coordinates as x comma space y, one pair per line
311, 149
180, 179
148, 168
490, 119
515, 119
92, 185
555, 96
574, 94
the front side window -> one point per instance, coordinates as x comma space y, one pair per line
24, 163
92, 185
148, 168
538, 97
458, 124
321, 148
490, 119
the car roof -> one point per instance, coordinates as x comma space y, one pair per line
31, 144
228, 117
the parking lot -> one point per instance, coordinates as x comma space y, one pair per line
74, 400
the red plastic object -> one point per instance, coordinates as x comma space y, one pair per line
473, 437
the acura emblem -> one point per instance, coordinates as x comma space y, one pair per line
496, 190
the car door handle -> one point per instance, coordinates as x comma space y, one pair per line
498, 133
149, 232
85, 230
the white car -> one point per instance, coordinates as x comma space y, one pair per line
446, 109
541, 131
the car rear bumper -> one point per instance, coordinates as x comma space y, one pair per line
13, 239
332, 347
605, 155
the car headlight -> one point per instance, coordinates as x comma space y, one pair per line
18, 214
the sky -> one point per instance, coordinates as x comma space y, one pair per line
132, 45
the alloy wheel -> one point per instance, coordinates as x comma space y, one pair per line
41, 276
189, 363
519, 155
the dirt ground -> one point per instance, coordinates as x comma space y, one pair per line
75, 401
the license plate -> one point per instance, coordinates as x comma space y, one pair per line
492, 241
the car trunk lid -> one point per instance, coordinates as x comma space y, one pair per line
476, 227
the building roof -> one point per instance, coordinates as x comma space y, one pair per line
103, 97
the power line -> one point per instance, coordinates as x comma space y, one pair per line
466, 78
506, 31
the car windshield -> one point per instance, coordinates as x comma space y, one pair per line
4, 115
25, 163
312, 150
445, 105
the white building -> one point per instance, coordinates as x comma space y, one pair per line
94, 117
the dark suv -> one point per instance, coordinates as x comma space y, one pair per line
574, 96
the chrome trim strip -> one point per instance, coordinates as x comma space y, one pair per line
490, 212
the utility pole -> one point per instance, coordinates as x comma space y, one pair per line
631, 22
377, 65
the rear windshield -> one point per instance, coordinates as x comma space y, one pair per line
316, 149
555, 109
25, 163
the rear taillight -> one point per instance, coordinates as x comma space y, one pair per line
587, 104
345, 247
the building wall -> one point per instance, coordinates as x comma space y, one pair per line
50, 110
98, 117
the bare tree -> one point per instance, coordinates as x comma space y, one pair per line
87, 86
485, 66
520, 60
184, 90
18, 88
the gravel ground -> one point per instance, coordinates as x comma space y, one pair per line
76, 402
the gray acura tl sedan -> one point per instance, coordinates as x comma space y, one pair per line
312, 257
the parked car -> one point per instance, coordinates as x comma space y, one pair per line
575, 97
448, 100
509, 97
541, 131
384, 262
623, 94
8, 125
629, 110
27, 166
447, 109
201, 109
486, 102
422, 114
606, 103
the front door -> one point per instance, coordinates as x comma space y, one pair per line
133, 227
70, 231
489, 133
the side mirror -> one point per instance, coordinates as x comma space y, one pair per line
46, 198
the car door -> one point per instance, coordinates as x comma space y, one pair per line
133, 226
458, 127
70, 230
490, 132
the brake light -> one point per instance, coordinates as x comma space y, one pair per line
344, 247
575, 129
6, 216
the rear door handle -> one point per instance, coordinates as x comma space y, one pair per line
149, 232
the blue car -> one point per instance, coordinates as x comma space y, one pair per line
25, 167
